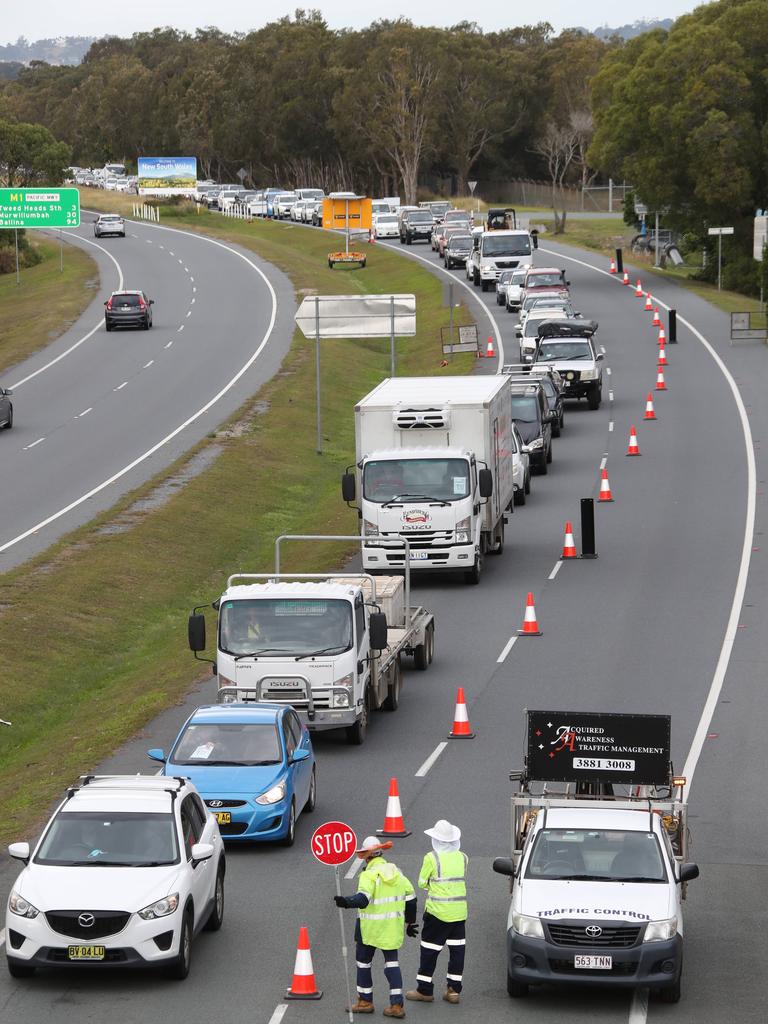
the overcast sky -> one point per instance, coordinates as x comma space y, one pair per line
49, 18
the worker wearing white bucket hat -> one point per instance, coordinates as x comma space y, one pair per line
443, 875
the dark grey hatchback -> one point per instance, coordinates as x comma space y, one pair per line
6, 408
128, 309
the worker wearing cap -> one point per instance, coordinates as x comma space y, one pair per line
443, 875
386, 905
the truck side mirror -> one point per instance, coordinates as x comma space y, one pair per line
688, 872
504, 866
348, 489
196, 633
485, 483
378, 631
535, 238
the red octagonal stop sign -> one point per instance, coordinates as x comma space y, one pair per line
333, 843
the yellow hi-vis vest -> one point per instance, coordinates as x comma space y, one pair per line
382, 922
443, 876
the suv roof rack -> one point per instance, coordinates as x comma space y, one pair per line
164, 783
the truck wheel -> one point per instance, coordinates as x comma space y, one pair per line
472, 577
356, 733
392, 701
516, 989
595, 397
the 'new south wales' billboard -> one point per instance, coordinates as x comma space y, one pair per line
167, 175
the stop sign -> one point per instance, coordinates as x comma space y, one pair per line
333, 843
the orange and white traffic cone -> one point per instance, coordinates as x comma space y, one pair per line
662, 356
371, 236
303, 985
648, 302
639, 289
530, 624
650, 414
660, 385
569, 544
489, 350
662, 337
633, 448
656, 318
613, 266
461, 729
393, 818
605, 487
625, 279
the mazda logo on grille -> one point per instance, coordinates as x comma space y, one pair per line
593, 930
215, 803
86, 920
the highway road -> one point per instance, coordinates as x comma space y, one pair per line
96, 414
666, 620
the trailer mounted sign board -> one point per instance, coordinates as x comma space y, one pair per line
574, 746
39, 208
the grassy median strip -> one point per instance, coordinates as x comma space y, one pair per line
93, 632
46, 303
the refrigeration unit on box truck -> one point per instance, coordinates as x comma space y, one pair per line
433, 465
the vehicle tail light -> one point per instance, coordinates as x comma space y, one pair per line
142, 304
109, 304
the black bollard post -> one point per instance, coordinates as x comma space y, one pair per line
672, 331
588, 549
619, 261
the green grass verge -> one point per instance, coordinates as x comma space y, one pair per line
46, 303
93, 631
600, 235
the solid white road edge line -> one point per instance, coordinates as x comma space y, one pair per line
431, 760
2, 938
731, 628
638, 1010
182, 426
85, 337
556, 570
278, 1014
507, 648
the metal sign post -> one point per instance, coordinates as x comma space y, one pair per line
392, 335
319, 441
16, 239
720, 232
334, 843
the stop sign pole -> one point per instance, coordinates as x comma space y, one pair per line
334, 843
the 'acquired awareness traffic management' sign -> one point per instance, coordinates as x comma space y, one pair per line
39, 208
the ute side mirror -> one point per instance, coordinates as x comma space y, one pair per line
485, 483
348, 488
504, 866
600, 357
196, 632
688, 872
377, 627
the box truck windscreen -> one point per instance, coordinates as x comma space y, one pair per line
443, 480
506, 245
297, 626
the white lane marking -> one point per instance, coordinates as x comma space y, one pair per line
187, 422
608, 370
354, 867
2, 938
147, 240
84, 412
602, 349
181, 261
170, 253
121, 386
181, 328
146, 366
192, 301
638, 1011
192, 281
85, 337
33, 445
507, 648
610, 427
161, 245
194, 287
431, 760
189, 312
555, 571
610, 396
168, 345
186, 270
279, 1013
471, 290
603, 462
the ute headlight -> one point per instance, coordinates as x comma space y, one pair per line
589, 374
272, 796
370, 529
342, 698
537, 442
658, 931
530, 926
162, 908
18, 905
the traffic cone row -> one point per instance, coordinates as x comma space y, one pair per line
489, 350
569, 545
662, 356
648, 302
303, 985
650, 414
656, 322
530, 623
613, 266
625, 279
639, 289
633, 448
461, 729
605, 487
660, 384
662, 337
394, 825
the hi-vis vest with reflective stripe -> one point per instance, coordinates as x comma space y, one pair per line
382, 922
443, 876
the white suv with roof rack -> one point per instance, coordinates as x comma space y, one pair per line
160, 879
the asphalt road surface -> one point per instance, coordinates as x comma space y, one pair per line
96, 414
666, 620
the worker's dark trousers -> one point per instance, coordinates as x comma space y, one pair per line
434, 935
392, 972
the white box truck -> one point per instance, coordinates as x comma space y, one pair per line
498, 251
434, 466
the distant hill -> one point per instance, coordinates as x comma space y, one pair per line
630, 31
64, 50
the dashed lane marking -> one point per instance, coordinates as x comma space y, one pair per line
610, 427
638, 1011
507, 648
555, 571
34, 444
121, 386
84, 412
146, 366
603, 462
169, 344
189, 312
431, 760
278, 1014
181, 328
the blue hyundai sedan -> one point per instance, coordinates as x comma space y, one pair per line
253, 765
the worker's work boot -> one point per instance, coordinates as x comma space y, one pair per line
395, 1010
361, 1006
419, 997
451, 996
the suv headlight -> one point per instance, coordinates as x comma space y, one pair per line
162, 908
589, 374
18, 905
370, 529
462, 531
657, 931
272, 796
530, 926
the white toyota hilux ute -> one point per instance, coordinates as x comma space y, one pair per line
128, 870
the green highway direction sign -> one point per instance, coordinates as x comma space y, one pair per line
39, 208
